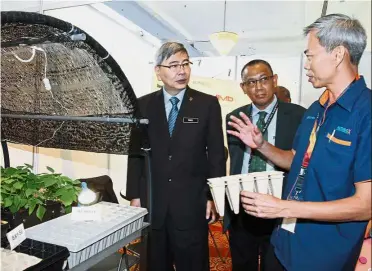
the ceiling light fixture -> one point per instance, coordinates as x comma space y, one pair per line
224, 41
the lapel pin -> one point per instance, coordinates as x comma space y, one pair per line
190, 99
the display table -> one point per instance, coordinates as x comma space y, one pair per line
89, 242
141, 233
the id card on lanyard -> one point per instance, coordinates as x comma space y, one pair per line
289, 224
296, 193
267, 123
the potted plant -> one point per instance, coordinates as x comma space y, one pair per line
31, 198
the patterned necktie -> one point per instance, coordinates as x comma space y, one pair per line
258, 163
173, 114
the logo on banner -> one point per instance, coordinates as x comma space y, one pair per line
224, 98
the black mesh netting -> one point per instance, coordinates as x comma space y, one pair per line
84, 80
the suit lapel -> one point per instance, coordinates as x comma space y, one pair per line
158, 114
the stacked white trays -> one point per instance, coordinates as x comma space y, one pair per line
86, 238
266, 182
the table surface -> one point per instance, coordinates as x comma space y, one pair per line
112, 249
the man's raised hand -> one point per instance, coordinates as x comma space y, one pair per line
248, 133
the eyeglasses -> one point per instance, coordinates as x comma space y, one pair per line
252, 83
177, 67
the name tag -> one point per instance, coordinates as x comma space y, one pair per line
16, 236
190, 120
289, 224
86, 213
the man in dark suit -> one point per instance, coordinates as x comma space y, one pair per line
250, 236
186, 140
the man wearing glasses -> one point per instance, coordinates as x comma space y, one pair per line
278, 121
183, 124
326, 203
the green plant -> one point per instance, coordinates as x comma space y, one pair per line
21, 188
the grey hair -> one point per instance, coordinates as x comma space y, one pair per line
167, 50
337, 29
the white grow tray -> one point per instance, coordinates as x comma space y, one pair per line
84, 239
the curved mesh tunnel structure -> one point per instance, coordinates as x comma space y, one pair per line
52, 68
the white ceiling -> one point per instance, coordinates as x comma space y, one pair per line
264, 27
273, 27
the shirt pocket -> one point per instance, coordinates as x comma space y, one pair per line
339, 147
338, 141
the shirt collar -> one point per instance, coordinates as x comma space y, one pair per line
167, 96
268, 109
350, 95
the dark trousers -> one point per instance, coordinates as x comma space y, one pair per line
271, 261
249, 238
186, 249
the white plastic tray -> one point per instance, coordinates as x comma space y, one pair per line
266, 182
87, 238
15, 261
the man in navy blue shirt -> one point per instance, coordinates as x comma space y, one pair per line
327, 200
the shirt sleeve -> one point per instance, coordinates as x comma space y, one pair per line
296, 139
362, 165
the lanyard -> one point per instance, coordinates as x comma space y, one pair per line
268, 120
319, 121
264, 128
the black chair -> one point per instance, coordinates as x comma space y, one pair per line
104, 186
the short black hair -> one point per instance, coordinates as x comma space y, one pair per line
255, 62
285, 91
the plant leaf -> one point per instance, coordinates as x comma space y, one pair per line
76, 182
9, 171
5, 188
7, 202
50, 169
42, 177
31, 206
66, 180
67, 198
17, 201
32, 186
28, 166
68, 209
29, 192
40, 212
7, 180
68, 187
22, 203
18, 185
18, 176
60, 192
49, 182
13, 209
38, 201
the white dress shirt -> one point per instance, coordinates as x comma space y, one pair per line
167, 102
271, 130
